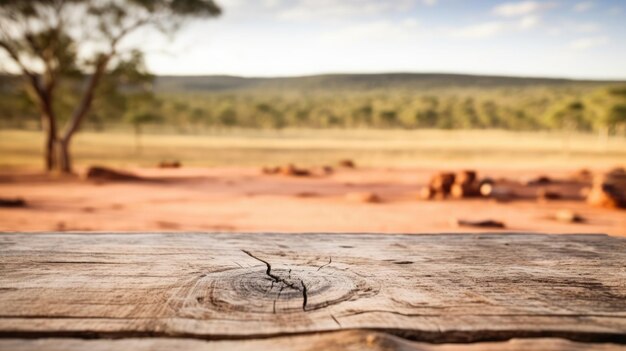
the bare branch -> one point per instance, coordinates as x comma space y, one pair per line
89, 92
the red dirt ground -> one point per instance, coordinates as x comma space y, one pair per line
244, 200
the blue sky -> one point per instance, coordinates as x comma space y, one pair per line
560, 38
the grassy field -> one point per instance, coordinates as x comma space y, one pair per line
381, 148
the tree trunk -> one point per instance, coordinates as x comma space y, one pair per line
49, 154
78, 116
49, 126
137, 138
64, 158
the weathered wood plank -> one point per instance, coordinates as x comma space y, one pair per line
331, 341
434, 288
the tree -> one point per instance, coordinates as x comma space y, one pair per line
617, 116
50, 42
608, 111
138, 119
568, 116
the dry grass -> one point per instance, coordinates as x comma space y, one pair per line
394, 148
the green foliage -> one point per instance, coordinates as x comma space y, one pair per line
569, 115
579, 107
58, 44
617, 115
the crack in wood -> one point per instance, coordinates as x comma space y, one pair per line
269, 266
277, 298
434, 337
330, 260
336, 321
565, 315
284, 282
304, 295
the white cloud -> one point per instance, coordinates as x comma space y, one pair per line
522, 8
430, 2
480, 31
328, 9
588, 43
569, 27
494, 28
384, 31
529, 22
584, 6
587, 28
271, 4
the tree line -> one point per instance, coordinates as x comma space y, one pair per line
598, 109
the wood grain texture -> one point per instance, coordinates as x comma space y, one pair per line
428, 288
330, 341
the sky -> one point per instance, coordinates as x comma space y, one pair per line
547, 38
560, 38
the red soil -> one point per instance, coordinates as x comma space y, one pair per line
245, 200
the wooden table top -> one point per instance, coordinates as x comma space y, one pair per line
203, 291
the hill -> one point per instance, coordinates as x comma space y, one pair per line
357, 82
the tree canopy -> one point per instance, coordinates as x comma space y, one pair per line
55, 44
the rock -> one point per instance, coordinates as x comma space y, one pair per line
479, 224
608, 191
545, 194
347, 163
462, 191
170, 164
365, 197
582, 175
442, 182
541, 180
616, 178
12, 203
327, 170
306, 194
487, 189
427, 193
291, 170
497, 192
567, 216
486, 180
465, 177
605, 196
270, 170
107, 174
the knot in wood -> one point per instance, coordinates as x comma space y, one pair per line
300, 289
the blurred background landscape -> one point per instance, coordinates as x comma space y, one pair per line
239, 126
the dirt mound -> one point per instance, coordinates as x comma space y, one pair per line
540, 180
568, 216
293, 171
99, 173
12, 203
364, 197
544, 194
488, 223
287, 170
169, 164
583, 175
347, 164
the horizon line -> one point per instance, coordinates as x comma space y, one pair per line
478, 75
